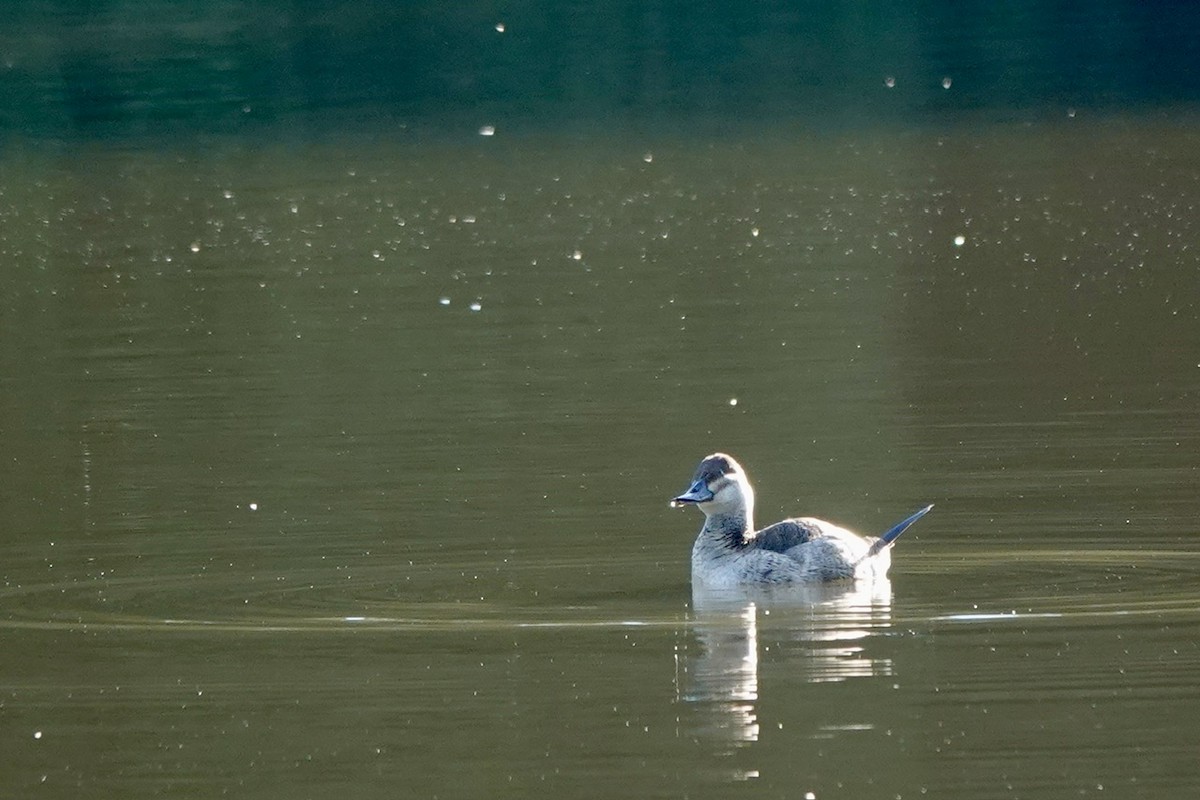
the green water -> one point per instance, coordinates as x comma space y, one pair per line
337, 447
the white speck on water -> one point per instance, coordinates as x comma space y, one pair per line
445, 301
890, 82
946, 82
487, 130
476, 306
195, 247
810, 796
733, 401
254, 506
1071, 113
499, 27
960, 240
37, 734
577, 255
648, 157
228, 195
754, 232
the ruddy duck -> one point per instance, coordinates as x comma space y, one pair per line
729, 552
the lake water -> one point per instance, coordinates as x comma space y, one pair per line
344, 468
338, 462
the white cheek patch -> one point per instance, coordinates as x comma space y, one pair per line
724, 489
731, 492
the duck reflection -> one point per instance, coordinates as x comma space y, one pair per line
832, 620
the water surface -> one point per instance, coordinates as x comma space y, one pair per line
342, 466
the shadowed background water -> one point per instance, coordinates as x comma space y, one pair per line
338, 436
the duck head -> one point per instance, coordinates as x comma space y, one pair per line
719, 488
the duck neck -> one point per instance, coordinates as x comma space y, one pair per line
730, 530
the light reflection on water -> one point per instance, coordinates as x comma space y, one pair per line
827, 620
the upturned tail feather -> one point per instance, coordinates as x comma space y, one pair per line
893, 533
